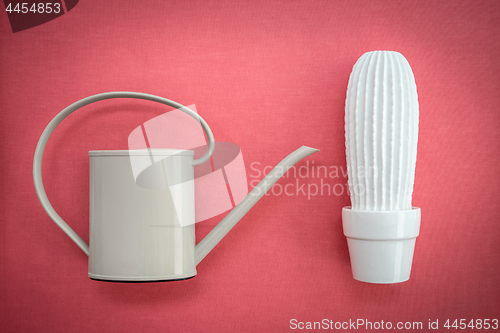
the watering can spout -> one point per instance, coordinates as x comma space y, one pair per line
235, 215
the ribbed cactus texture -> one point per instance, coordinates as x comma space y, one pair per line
381, 132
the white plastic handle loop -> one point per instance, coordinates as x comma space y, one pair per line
37, 161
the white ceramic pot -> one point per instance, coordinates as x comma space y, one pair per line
381, 243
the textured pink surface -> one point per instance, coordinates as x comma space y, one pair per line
270, 76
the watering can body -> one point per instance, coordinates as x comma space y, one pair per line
135, 231
142, 225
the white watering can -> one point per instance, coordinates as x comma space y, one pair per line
135, 232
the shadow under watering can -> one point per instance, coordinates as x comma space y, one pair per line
142, 224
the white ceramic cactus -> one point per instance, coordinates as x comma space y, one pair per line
381, 128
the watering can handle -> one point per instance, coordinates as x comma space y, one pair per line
37, 161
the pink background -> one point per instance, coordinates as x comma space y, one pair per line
270, 76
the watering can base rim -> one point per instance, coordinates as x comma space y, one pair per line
138, 279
